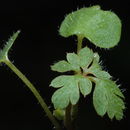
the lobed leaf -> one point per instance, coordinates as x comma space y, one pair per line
73, 59
95, 66
101, 74
86, 57
107, 98
60, 81
85, 86
102, 28
100, 100
69, 93
71, 87
96, 69
74, 92
60, 98
61, 66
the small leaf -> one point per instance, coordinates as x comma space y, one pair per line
74, 92
8, 45
102, 28
101, 74
93, 68
83, 59
100, 100
60, 81
85, 86
107, 97
86, 57
96, 69
60, 98
69, 93
73, 59
59, 114
61, 66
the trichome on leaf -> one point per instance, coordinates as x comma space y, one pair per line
103, 29
107, 97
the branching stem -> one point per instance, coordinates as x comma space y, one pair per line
35, 92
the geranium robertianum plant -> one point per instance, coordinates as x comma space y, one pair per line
103, 29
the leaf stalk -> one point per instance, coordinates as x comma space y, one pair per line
35, 92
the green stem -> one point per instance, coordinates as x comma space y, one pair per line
68, 120
74, 111
74, 108
71, 110
79, 44
35, 92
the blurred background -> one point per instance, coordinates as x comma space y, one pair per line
38, 46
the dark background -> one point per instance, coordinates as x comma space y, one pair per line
38, 46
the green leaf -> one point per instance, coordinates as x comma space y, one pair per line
101, 74
73, 59
59, 114
107, 97
100, 100
96, 57
69, 93
95, 67
60, 98
102, 28
85, 86
8, 45
61, 66
86, 57
74, 92
60, 81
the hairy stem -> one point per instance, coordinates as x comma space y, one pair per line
35, 92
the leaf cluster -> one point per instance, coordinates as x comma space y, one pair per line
107, 97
